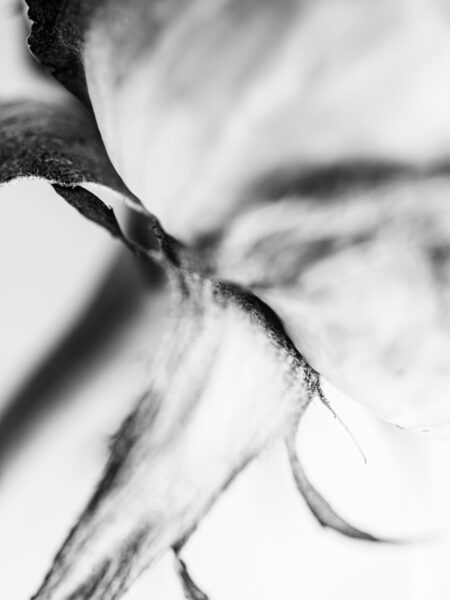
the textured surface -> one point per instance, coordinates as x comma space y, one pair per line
59, 143
56, 142
57, 38
203, 382
411, 48
200, 102
359, 273
205, 416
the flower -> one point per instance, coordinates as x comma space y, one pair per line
200, 126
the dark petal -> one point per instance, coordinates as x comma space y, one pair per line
56, 38
60, 143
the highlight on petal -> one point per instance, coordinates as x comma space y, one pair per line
356, 262
204, 417
198, 101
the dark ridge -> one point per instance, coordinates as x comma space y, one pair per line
324, 183
329, 180
127, 558
91, 207
92, 585
121, 444
264, 314
190, 588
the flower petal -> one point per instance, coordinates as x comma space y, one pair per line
206, 415
56, 39
59, 143
53, 141
198, 101
356, 261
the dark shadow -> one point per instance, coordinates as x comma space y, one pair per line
114, 305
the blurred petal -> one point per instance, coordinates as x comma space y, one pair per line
357, 264
59, 143
225, 383
197, 101
57, 38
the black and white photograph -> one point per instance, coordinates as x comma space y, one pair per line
224, 299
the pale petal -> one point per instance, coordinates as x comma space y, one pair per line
197, 101
357, 265
205, 416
